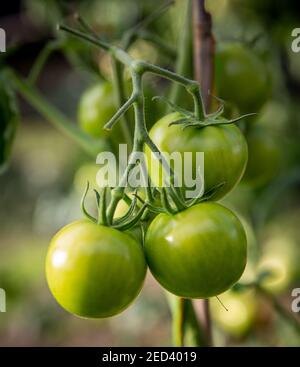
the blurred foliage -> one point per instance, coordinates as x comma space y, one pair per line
40, 191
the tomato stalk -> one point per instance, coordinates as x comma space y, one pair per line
185, 326
178, 322
121, 98
137, 69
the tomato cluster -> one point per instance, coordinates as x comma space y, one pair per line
97, 271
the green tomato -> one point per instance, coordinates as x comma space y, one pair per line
241, 77
94, 271
96, 107
239, 315
197, 253
264, 157
224, 147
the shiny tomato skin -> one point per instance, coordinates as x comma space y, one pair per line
94, 271
197, 253
224, 146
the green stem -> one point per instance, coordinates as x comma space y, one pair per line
102, 219
184, 54
121, 99
138, 144
177, 307
141, 67
191, 86
109, 125
185, 326
179, 323
54, 116
195, 335
137, 69
87, 37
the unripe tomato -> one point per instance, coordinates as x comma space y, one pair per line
241, 77
197, 253
239, 315
224, 147
94, 271
96, 107
263, 157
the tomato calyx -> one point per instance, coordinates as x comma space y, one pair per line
125, 222
171, 205
189, 119
163, 200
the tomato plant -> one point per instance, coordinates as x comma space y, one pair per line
194, 247
197, 253
94, 271
224, 147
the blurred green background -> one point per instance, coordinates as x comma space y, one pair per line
42, 187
